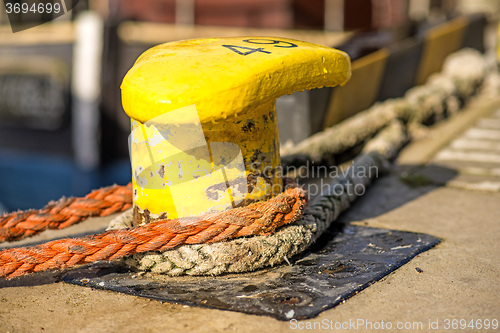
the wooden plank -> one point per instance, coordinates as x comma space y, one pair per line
474, 32
401, 69
440, 42
361, 91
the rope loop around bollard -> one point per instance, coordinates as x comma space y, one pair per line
261, 218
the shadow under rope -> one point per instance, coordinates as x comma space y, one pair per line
402, 185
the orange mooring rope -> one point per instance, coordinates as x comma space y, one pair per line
260, 218
65, 212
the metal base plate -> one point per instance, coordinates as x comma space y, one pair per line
343, 263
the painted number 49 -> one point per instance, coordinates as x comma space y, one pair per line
244, 50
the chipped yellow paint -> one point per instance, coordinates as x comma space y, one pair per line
232, 83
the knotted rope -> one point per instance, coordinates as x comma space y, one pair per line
260, 218
65, 212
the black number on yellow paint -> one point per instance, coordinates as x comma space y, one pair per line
276, 43
262, 41
249, 50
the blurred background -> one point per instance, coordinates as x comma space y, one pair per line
63, 131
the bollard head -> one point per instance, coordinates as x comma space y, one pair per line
204, 129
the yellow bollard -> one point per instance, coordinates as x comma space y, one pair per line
204, 130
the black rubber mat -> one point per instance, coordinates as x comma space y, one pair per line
345, 262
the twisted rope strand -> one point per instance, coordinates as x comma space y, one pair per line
260, 218
65, 212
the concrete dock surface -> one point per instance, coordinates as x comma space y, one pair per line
446, 184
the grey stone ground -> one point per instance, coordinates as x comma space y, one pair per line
434, 189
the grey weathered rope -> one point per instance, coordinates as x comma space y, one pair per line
395, 132
463, 73
321, 147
